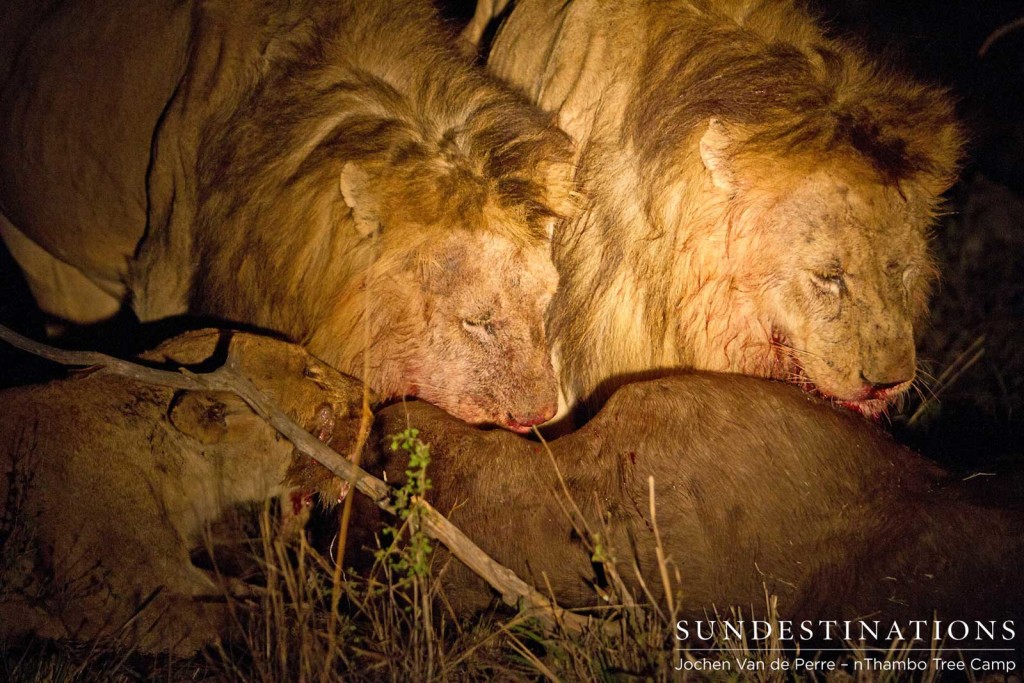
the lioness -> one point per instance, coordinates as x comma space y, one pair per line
759, 193
108, 483
332, 171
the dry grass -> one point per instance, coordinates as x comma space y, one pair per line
309, 621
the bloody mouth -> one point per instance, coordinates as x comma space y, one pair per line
524, 423
787, 367
517, 428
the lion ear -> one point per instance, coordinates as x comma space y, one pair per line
714, 152
559, 183
560, 195
212, 417
356, 188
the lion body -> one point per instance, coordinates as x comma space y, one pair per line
110, 482
80, 122
335, 173
757, 194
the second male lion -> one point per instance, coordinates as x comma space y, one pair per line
759, 194
335, 172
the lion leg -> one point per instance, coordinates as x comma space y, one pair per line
486, 11
187, 611
182, 623
59, 289
161, 621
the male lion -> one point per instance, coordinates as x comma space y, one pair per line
109, 482
332, 171
759, 193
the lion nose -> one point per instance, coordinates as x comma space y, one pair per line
532, 419
888, 359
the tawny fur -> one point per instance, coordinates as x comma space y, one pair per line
333, 172
109, 483
758, 489
758, 193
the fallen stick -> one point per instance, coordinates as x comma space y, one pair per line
514, 591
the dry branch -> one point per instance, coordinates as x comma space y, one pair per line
1000, 33
514, 590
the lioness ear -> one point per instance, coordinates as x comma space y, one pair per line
714, 152
212, 417
356, 189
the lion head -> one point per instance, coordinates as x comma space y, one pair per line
833, 267
758, 194
485, 355
456, 289
824, 217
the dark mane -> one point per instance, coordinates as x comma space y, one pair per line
792, 90
456, 139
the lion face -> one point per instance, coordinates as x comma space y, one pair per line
458, 289
484, 355
845, 273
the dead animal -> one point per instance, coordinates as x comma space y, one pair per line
758, 487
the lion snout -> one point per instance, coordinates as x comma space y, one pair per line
517, 416
530, 403
518, 408
889, 366
525, 422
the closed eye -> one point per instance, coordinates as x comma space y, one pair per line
479, 325
831, 282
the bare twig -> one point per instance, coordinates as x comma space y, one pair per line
1000, 33
660, 550
514, 590
963, 362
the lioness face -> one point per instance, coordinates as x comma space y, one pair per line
485, 356
850, 277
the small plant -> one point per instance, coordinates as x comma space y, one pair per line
413, 559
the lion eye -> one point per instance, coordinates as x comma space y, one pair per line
831, 282
480, 324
